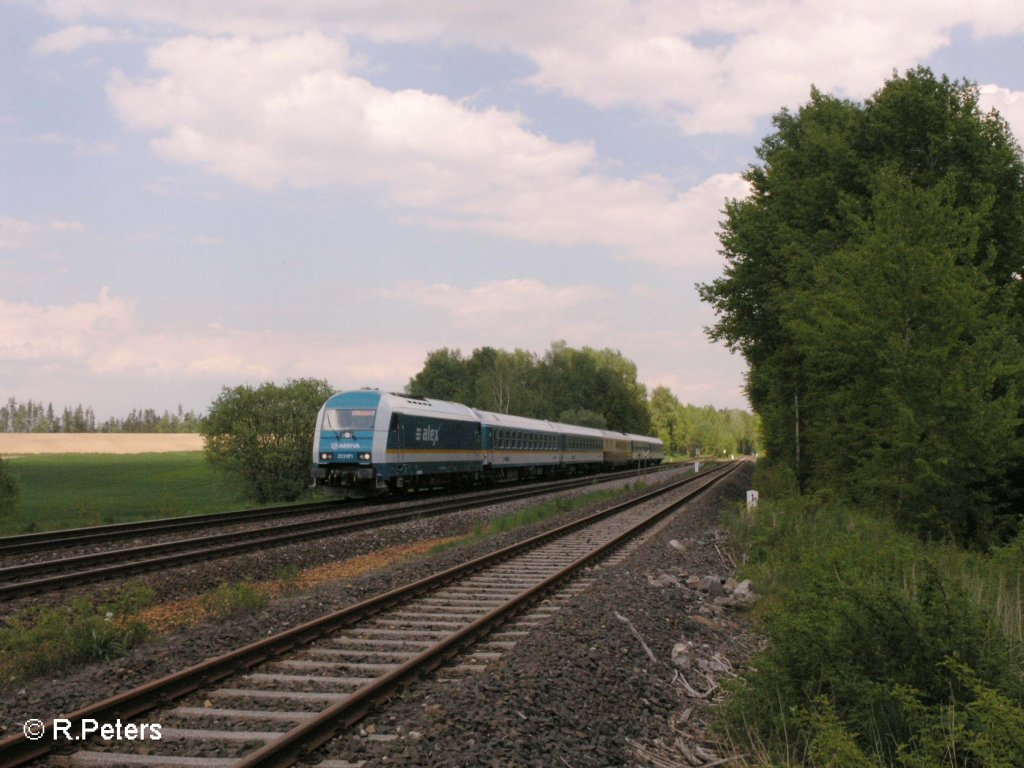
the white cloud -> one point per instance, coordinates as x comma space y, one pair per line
487, 308
105, 337
15, 233
58, 225
21, 233
74, 332
708, 65
1009, 104
70, 39
288, 112
80, 146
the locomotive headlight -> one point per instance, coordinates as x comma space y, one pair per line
364, 456
325, 457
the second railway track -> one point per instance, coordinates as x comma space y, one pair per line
276, 700
67, 571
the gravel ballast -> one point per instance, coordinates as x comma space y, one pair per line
580, 690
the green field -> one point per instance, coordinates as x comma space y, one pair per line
73, 490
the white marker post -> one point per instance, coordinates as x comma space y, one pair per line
751, 499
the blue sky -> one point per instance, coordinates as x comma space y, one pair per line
201, 195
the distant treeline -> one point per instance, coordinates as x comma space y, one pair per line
587, 387
30, 416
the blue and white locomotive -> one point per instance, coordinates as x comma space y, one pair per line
368, 441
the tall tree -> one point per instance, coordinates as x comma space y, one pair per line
910, 392
444, 376
822, 223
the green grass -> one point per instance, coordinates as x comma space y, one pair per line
74, 490
45, 640
231, 601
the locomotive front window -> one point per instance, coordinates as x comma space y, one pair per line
340, 419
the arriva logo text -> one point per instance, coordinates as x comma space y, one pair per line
428, 435
336, 446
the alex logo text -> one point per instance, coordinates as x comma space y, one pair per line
428, 435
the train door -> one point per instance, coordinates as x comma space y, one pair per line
396, 438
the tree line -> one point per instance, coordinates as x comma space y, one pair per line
586, 387
30, 416
262, 435
873, 284
694, 431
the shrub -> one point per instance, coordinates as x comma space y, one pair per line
263, 436
875, 642
43, 641
234, 600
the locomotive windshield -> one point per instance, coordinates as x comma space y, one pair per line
341, 419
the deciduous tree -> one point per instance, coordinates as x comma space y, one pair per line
873, 283
263, 436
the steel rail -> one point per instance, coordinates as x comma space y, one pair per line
18, 749
33, 542
17, 581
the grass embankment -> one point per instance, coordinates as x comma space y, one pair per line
75, 490
884, 651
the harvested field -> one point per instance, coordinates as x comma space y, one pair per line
24, 444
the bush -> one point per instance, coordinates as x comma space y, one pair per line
45, 641
264, 437
875, 643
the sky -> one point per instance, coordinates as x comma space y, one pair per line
198, 195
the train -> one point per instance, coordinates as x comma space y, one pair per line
369, 442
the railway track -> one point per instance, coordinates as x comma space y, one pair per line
103, 534
67, 571
275, 701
